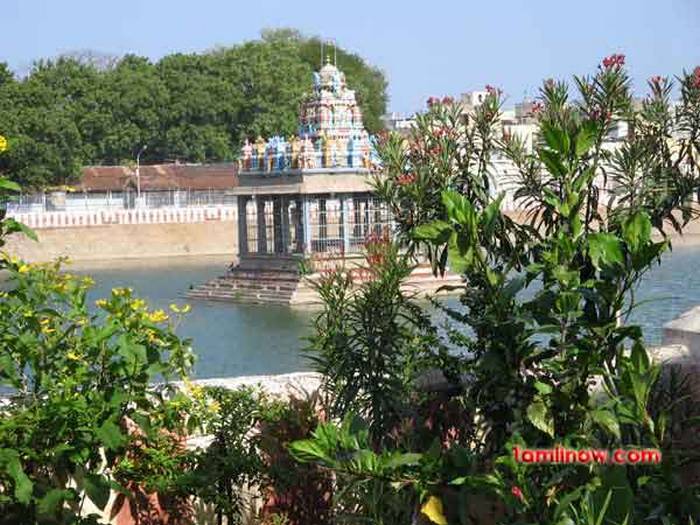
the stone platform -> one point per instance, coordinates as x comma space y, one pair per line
280, 280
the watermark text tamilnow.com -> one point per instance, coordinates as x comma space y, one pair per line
584, 456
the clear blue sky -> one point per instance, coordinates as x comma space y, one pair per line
425, 47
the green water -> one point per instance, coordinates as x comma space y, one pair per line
229, 339
235, 339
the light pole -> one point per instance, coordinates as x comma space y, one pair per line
138, 175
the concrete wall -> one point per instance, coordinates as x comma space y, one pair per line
122, 241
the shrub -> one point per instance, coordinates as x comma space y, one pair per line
74, 378
544, 302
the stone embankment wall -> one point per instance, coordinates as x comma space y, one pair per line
110, 235
166, 232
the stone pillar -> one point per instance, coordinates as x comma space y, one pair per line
307, 226
322, 223
345, 223
262, 226
285, 224
241, 204
300, 227
367, 221
278, 228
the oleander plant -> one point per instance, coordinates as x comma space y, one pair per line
542, 353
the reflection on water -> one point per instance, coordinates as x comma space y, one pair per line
235, 339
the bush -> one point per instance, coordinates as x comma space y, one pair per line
74, 379
544, 303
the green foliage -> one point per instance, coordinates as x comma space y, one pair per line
70, 112
74, 379
300, 493
219, 472
370, 339
544, 303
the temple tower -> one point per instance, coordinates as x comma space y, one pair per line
305, 202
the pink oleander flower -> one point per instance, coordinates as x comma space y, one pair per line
406, 178
494, 91
447, 101
614, 61
696, 77
433, 101
515, 491
536, 108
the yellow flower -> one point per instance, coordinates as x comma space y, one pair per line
433, 510
101, 303
88, 281
3, 144
73, 356
180, 310
47, 330
214, 407
158, 316
138, 304
151, 336
24, 268
195, 391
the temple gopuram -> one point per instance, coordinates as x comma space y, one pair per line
305, 203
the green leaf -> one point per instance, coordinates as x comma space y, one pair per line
13, 226
53, 500
543, 388
539, 415
586, 137
308, 450
459, 261
111, 435
9, 185
640, 357
403, 460
458, 208
607, 421
604, 249
636, 230
8, 370
552, 161
9, 461
556, 138
436, 232
97, 489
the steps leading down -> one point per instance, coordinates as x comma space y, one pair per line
258, 280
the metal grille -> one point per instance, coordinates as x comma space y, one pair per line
118, 200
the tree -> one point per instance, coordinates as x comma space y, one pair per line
86, 108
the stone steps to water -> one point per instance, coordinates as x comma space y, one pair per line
279, 283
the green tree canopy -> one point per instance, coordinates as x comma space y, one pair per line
70, 112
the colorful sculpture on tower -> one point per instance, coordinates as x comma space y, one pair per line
331, 133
